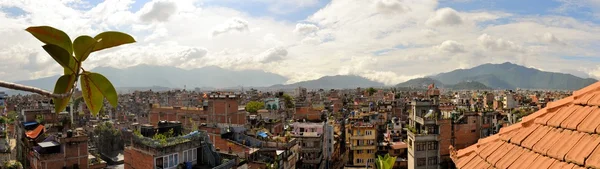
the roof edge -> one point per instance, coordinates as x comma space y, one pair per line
587, 89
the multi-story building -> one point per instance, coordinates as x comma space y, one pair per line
363, 144
311, 140
423, 134
192, 149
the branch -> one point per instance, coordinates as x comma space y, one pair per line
32, 89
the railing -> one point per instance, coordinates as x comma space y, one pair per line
363, 137
422, 120
363, 147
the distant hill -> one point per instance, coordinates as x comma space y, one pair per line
421, 83
510, 76
468, 85
165, 77
333, 82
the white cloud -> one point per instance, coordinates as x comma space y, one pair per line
160, 11
451, 46
391, 6
234, 24
272, 55
498, 44
550, 38
445, 17
303, 28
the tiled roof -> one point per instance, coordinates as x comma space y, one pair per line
564, 135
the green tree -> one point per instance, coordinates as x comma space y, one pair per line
70, 55
289, 101
108, 138
371, 90
254, 106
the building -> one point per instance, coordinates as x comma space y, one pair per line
562, 135
362, 141
509, 101
424, 132
311, 140
192, 149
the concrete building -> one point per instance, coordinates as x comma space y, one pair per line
311, 140
424, 132
362, 143
509, 101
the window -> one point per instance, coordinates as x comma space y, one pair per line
420, 146
189, 155
368, 132
370, 161
358, 160
168, 161
432, 161
421, 161
431, 130
370, 151
358, 151
432, 145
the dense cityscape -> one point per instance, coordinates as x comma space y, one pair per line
301, 128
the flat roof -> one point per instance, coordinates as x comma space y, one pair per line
48, 144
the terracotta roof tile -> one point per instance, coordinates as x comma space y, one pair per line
561, 165
590, 123
578, 167
523, 133
565, 144
543, 120
562, 115
474, 162
483, 164
510, 158
576, 117
584, 99
542, 162
594, 101
548, 141
507, 135
593, 160
525, 160
583, 149
464, 160
587, 89
485, 153
535, 137
499, 153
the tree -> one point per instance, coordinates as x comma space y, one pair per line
371, 90
254, 106
70, 55
289, 101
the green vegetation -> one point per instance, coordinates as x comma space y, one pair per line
371, 91
254, 106
288, 100
107, 138
13, 164
386, 162
468, 85
70, 55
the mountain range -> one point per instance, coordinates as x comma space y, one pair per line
487, 76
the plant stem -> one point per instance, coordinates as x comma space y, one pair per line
32, 89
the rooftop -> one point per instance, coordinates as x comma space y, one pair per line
565, 134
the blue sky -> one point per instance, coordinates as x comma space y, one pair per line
384, 40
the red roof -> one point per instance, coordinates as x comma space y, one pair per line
35, 132
566, 134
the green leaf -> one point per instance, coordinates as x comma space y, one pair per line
111, 39
50, 35
61, 56
68, 70
83, 46
64, 84
105, 87
91, 94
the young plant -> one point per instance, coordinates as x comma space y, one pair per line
70, 55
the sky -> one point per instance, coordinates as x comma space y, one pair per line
388, 41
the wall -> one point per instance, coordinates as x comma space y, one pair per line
135, 159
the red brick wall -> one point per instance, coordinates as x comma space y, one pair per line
466, 134
223, 145
445, 136
135, 159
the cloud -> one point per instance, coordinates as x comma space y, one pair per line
310, 41
272, 55
451, 46
303, 28
390, 6
445, 17
490, 43
550, 38
161, 11
234, 24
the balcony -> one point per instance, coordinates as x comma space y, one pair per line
425, 121
312, 160
363, 137
363, 147
422, 136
